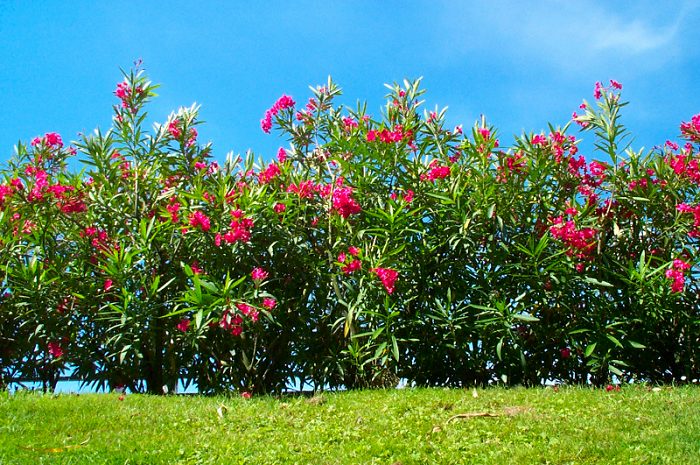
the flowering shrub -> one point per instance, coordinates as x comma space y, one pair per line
371, 249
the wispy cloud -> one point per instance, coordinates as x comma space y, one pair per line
568, 36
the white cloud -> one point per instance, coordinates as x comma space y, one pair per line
569, 36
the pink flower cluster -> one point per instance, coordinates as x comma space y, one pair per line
685, 166
349, 123
200, 221
259, 275
40, 183
305, 189
599, 88
695, 211
173, 208
407, 197
239, 229
350, 265
248, 311
580, 242
183, 325
391, 137
231, 321
7, 190
513, 165
282, 103
691, 130
175, 130
124, 93
388, 278
50, 139
558, 144
676, 273
269, 173
435, 171
344, 204
55, 349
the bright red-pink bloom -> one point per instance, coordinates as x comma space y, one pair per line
436, 172
248, 311
173, 207
677, 275
183, 325
200, 220
282, 103
353, 266
174, 128
269, 303
269, 173
691, 130
258, 274
388, 278
55, 349
344, 204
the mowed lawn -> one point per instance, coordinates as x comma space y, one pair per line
407, 426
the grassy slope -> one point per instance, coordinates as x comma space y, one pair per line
384, 427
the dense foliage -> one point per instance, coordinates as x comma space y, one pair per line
371, 250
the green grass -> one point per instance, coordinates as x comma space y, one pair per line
410, 426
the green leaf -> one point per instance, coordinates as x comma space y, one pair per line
589, 350
614, 340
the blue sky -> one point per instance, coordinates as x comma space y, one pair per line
521, 64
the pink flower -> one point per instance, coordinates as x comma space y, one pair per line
353, 266
387, 276
55, 349
691, 130
266, 122
174, 129
539, 139
354, 251
52, 139
597, 91
173, 207
565, 353
200, 220
436, 172
183, 325
193, 137
282, 103
248, 311
615, 84
279, 208
123, 90
195, 268
246, 395
108, 285
269, 173
676, 274
344, 204
258, 274
408, 198
269, 303
200, 165
281, 155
